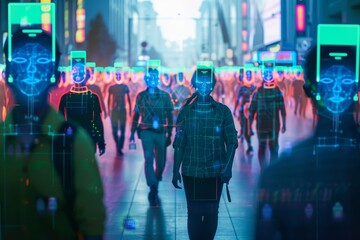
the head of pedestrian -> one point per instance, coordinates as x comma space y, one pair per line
152, 78
31, 64
118, 78
203, 81
180, 78
268, 75
336, 89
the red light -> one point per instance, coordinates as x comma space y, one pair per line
300, 17
244, 9
245, 46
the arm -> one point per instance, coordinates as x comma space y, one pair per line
179, 144
237, 102
110, 102
169, 117
282, 112
62, 106
135, 119
129, 100
252, 111
231, 145
99, 127
89, 209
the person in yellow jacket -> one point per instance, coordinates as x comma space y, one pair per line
50, 186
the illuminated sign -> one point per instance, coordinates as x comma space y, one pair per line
300, 17
80, 22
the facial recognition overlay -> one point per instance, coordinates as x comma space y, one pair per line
338, 66
241, 74
78, 66
153, 68
33, 63
267, 71
118, 72
249, 72
204, 77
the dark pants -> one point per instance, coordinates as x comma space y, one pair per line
270, 138
244, 128
118, 122
202, 197
154, 150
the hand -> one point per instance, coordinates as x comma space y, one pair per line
283, 129
101, 150
225, 179
175, 179
251, 132
168, 141
132, 137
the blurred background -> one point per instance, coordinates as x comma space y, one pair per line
180, 33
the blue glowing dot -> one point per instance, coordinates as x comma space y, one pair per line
156, 124
69, 131
129, 223
266, 212
217, 164
217, 129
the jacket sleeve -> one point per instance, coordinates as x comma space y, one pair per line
89, 209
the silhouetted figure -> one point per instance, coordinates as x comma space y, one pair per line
205, 144
83, 107
313, 191
117, 110
50, 183
267, 103
243, 100
155, 109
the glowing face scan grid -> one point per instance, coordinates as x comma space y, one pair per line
31, 67
337, 88
204, 82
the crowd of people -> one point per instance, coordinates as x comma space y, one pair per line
50, 182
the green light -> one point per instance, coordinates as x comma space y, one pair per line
318, 97
333, 54
32, 35
338, 58
356, 98
32, 31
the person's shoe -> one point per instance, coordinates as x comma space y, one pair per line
250, 150
152, 197
120, 153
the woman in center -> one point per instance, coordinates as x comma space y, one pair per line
205, 144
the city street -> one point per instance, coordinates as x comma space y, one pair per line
129, 215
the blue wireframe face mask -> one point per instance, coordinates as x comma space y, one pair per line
337, 87
204, 82
152, 79
31, 68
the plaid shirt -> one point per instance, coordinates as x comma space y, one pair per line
267, 103
203, 135
150, 107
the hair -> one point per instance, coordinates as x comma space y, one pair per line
310, 86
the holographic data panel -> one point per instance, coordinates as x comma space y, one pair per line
338, 66
31, 67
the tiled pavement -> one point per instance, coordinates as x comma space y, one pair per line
130, 217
